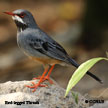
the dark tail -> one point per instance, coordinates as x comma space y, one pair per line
74, 63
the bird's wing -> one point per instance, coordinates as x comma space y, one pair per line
51, 49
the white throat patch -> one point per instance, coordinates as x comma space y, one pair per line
17, 18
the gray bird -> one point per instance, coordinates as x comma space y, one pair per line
39, 46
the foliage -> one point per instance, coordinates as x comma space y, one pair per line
81, 71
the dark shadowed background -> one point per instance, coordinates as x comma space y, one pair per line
80, 26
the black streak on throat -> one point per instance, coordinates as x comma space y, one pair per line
20, 26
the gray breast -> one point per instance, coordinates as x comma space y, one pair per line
22, 41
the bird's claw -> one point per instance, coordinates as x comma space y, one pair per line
35, 86
45, 78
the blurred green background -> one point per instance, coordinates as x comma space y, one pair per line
80, 26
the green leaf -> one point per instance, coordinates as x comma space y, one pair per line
75, 96
81, 71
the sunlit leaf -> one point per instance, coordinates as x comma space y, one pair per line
81, 71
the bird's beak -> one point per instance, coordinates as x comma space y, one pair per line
10, 13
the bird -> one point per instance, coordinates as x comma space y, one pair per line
39, 46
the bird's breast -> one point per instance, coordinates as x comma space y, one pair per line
26, 48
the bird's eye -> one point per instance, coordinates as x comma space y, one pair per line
21, 15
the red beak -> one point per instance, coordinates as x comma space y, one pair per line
10, 13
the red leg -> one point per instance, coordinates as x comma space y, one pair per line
49, 73
35, 86
47, 76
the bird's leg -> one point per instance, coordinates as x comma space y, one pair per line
35, 86
49, 73
47, 76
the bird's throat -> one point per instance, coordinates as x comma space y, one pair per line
20, 26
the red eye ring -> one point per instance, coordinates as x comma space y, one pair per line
21, 15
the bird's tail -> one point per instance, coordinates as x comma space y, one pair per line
74, 63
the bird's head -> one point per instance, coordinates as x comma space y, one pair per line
22, 18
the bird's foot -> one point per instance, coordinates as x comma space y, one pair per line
35, 86
45, 78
